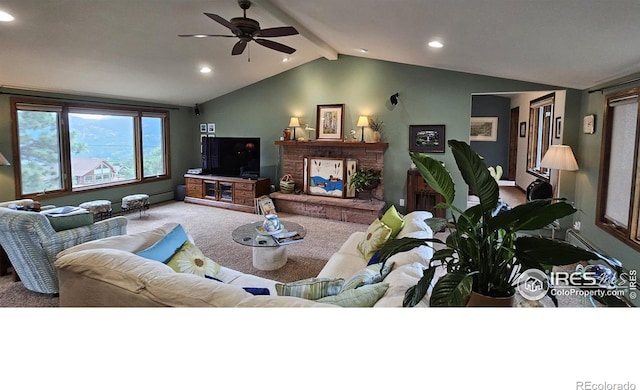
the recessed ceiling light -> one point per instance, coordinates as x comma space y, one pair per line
205, 69
436, 44
286, 59
363, 50
199, 36
6, 17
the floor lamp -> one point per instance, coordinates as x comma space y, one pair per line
560, 158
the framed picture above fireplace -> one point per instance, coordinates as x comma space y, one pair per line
330, 122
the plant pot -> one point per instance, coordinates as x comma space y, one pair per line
479, 300
377, 137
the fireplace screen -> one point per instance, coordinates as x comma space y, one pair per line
330, 176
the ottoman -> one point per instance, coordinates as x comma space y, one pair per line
101, 209
139, 202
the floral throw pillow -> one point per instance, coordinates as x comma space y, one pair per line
377, 234
190, 260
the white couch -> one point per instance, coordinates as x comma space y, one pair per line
96, 274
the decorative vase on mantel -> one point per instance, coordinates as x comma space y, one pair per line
286, 134
377, 137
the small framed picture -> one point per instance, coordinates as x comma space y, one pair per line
523, 129
484, 129
211, 128
330, 122
427, 138
558, 129
203, 127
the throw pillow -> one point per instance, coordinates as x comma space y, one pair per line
65, 222
166, 247
377, 234
312, 288
365, 296
371, 274
190, 260
394, 220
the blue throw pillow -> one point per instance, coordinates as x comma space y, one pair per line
375, 259
166, 247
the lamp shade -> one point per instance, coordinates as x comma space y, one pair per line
3, 160
559, 157
363, 121
294, 122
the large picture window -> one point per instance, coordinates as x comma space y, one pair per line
65, 147
540, 133
618, 206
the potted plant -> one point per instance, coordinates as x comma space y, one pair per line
482, 254
364, 179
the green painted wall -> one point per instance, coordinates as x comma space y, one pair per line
184, 151
588, 156
427, 96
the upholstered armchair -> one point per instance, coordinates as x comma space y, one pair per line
31, 244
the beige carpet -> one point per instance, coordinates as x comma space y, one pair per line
211, 230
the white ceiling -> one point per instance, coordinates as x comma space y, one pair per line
131, 49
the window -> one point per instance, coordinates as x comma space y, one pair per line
540, 133
618, 200
65, 147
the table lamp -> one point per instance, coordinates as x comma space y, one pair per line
294, 122
561, 158
363, 122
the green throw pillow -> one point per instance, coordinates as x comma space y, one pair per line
312, 288
394, 220
371, 274
65, 222
365, 296
377, 234
190, 260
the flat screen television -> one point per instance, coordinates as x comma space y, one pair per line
231, 156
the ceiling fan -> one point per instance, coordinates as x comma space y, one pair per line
248, 30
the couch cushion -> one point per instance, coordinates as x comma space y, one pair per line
394, 220
129, 243
167, 246
377, 234
365, 296
311, 288
346, 261
189, 259
413, 222
369, 275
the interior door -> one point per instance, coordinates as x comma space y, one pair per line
513, 143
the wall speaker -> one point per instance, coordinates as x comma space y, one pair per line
394, 98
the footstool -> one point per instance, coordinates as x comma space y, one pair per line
101, 209
135, 202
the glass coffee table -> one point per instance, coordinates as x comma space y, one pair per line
267, 254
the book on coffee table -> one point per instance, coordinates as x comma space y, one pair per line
285, 238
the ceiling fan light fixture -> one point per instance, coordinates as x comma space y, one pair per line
6, 17
205, 69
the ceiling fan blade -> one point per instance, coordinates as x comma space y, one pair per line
224, 22
238, 48
275, 46
205, 35
277, 32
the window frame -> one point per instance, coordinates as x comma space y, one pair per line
533, 150
630, 234
64, 137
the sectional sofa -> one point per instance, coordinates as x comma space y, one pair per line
108, 272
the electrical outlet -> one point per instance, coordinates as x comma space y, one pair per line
401, 202
576, 225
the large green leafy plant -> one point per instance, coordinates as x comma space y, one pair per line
482, 252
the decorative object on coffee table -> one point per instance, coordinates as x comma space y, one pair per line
267, 254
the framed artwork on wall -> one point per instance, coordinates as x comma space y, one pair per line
203, 127
330, 122
211, 128
427, 138
484, 128
523, 129
558, 128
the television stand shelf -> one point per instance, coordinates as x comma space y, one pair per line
233, 193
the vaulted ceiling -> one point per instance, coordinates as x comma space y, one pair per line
131, 49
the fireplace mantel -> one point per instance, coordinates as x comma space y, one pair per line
368, 155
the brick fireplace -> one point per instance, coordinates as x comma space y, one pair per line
368, 155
